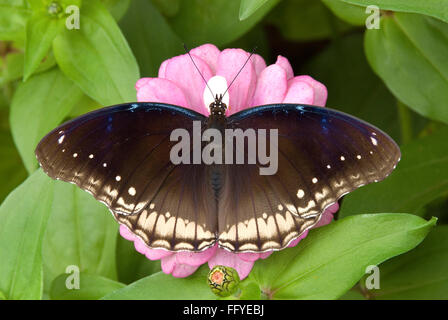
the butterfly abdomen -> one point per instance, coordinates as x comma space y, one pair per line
216, 179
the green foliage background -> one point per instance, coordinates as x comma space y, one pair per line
395, 77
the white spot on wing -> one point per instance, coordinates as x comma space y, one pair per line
61, 139
118, 178
132, 191
342, 158
300, 194
314, 180
374, 141
75, 155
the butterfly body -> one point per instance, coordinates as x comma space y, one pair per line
121, 155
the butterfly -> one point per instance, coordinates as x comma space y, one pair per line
121, 155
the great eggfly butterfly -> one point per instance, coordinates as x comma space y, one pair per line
121, 155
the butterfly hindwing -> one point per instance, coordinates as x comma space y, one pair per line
322, 155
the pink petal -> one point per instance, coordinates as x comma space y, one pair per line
196, 258
183, 270
327, 216
333, 208
320, 91
168, 263
284, 63
142, 82
248, 256
140, 246
162, 69
228, 259
230, 63
266, 254
171, 266
209, 53
183, 73
271, 86
259, 64
126, 233
324, 220
299, 92
296, 241
157, 254
160, 90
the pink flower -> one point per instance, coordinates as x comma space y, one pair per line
179, 83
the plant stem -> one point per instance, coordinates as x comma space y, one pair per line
404, 116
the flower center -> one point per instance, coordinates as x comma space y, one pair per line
217, 277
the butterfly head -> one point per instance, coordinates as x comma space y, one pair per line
217, 107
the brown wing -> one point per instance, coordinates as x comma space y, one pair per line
121, 155
322, 155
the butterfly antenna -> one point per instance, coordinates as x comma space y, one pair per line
192, 60
250, 56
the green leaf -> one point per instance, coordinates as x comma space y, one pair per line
333, 258
150, 36
23, 218
43, 5
132, 265
435, 8
419, 178
117, 8
92, 287
352, 86
14, 65
40, 32
168, 8
161, 286
249, 7
304, 20
12, 170
419, 274
80, 232
39, 105
250, 291
198, 22
83, 106
97, 57
13, 16
409, 53
352, 295
355, 15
